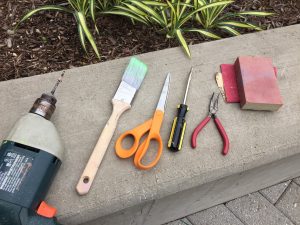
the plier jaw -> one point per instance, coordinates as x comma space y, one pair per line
214, 104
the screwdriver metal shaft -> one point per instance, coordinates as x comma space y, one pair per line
188, 86
179, 123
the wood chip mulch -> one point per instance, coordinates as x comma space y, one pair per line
48, 41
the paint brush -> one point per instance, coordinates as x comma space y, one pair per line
131, 82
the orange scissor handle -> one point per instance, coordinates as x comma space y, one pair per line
137, 133
154, 135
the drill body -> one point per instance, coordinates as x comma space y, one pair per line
29, 159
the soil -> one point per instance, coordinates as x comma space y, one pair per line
49, 42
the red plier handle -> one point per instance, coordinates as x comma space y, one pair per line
221, 131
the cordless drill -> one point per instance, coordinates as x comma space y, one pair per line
29, 159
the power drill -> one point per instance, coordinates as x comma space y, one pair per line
29, 159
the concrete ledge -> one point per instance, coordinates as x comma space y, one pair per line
264, 146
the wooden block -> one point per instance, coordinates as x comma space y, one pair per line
257, 85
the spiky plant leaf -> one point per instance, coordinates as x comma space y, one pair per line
255, 13
173, 16
202, 8
127, 14
204, 32
81, 20
92, 9
183, 9
164, 15
149, 10
240, 25
183, 42
81, 37
136, 10
43, 8
230, 30
154, 3
216, 13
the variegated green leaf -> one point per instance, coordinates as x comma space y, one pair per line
217, 13
183, 42
178, 8
163, 14
184, 7
230, 15
73, 4
254, 27
43, 8
82, 4
127, 14
92, 9
256, 13
81, 37
101, 4
188, 17
204, 32
154, 3
240, 25
229, 30
81, 20
96, 29
135, 10
198, 18
149, 10
173, 15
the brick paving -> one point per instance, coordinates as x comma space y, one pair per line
275, 205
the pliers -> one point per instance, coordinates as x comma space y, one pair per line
213, 108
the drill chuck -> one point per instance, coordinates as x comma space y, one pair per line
44, 106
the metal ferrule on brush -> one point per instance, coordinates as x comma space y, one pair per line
125, 92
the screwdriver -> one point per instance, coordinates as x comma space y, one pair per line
179, 123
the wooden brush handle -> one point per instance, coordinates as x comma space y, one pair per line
95, 160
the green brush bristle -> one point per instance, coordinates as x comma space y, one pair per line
135, 73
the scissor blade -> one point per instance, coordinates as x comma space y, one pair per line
164, 94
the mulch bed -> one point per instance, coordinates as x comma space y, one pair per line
48, 42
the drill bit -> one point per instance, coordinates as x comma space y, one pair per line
45, 105
59, 80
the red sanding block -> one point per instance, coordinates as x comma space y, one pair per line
230, 85
257, 85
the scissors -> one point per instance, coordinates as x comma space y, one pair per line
151, 126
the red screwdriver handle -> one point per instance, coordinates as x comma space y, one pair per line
198, 129
224, 136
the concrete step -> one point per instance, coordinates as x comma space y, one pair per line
289, 203
264, 146
277, 204
217, 215
254, 209
272, 194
